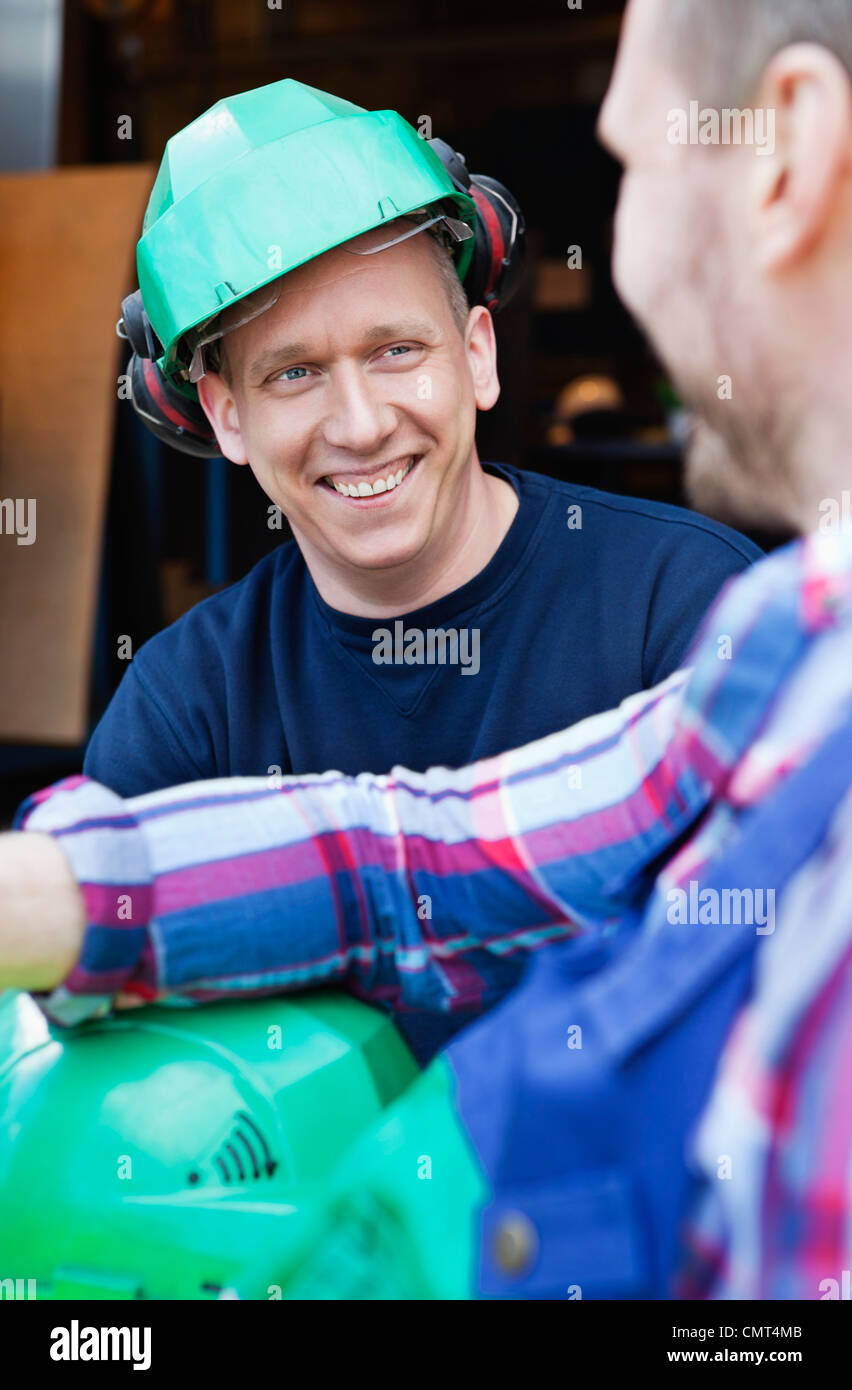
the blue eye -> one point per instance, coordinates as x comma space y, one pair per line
287, 373
400, 347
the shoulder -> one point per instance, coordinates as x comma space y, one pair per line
637, 521
231, 616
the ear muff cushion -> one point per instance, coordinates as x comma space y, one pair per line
500, 246
169, 415
508, 249
491, 264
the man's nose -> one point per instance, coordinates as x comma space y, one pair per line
359, 418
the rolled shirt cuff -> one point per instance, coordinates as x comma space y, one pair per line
107, 852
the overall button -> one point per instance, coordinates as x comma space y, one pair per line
515, 1243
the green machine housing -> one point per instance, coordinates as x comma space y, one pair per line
162, 1152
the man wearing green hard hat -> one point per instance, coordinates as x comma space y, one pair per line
322, 280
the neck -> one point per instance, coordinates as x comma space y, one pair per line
810, 437
823, 463
808, 448
478, 522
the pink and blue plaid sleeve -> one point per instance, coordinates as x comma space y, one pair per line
411, 889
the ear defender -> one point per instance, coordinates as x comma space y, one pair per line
168, 413
500, 246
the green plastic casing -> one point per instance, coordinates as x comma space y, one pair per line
161, 1152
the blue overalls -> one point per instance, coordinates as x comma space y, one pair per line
585, 1146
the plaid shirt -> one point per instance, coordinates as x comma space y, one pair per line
414, 889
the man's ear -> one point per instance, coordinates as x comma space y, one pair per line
481, 348
799, 177
219, 406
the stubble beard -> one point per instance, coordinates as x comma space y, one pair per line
737, 467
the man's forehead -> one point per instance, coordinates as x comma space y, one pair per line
300, 323
398, 290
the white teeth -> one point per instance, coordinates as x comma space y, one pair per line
380, 485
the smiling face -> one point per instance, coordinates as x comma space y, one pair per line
359, 381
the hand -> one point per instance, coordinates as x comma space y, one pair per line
42, 915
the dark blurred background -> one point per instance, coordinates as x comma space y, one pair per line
517, 89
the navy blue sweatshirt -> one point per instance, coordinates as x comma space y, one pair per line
576, 610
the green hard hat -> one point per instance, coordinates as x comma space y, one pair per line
263, 182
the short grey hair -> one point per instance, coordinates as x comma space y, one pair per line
217, 357
723, 46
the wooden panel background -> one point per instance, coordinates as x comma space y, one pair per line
67, 242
